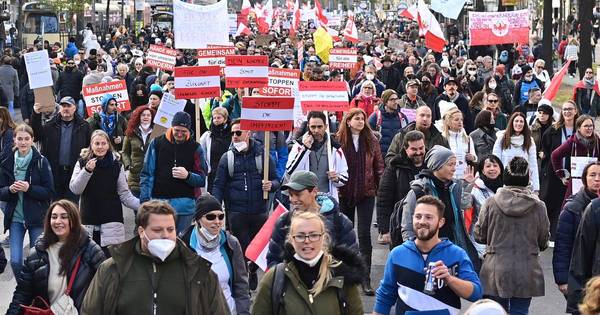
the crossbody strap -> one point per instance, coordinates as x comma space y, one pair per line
73, 274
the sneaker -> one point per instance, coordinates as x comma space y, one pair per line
253, 280
551, 244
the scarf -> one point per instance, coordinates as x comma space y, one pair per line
20, 171
354, 189
587, 142
517, 141
105, 161
589, 84
202, 239
492, 184
108, 122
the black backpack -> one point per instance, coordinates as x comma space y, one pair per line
396, 218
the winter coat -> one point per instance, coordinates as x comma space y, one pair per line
515, 228
120, 126
406, 102
390, 77
134, 151
483, 141
340, 229
387, 125
428, 96
234, 258
243, 192
33, 280
583, 95
297, 300
3, 260
379, 87
9, 82
568, 222
6, 144
394, 185
26, 101
433, 137
462, 103
572, 147
506, 155
49, 136
278, 149
522, 88
69, 83
202, 292
367, 104
552, 189
37, 199
372, 175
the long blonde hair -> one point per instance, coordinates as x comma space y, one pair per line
446, 125
327, 262
591, 301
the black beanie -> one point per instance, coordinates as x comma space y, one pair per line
516, 173
205, 204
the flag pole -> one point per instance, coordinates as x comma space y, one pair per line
266, 157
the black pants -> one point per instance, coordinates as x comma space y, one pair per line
246, 226
573, 67
364, 217
62, 177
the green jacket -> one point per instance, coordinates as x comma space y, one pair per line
203, 293
133, 155
296, 299
120, 128
212, 104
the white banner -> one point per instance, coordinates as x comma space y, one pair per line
246, 71
38, 69
196, 26
324, 96
197, 82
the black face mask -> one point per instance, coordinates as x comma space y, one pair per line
410, 76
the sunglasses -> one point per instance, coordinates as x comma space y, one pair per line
236, 133
212, 216
472, 69
493, 101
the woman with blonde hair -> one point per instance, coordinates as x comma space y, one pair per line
99, 178
320, 280
367, 99
460, 143
591, 301
215, 142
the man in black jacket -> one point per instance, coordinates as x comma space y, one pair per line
62, 139
69, 82
395, 182
389, 75
451, 95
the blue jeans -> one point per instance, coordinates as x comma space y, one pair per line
11, 108
183, 222
17, 235
514, 306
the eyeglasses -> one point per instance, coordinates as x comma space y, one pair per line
301, 238
236, 133
568, 109
492, 101
212, 216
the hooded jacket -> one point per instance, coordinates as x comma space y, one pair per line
346, 276
582, 97
387, 125
515, 227
95, 122
339, 227
33, 280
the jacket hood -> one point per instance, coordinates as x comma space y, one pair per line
105, 99
352, 267
327, 203
439, 246
515, 201
579, 201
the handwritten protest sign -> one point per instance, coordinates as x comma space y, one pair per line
93, 95
197, 82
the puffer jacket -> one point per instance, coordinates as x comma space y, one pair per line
483, 140
33, 280
339, 227
568, 222
134, 151
585, 262
296, 300
394, 185
515, 227
387, 125
69, 83
37, 199
238, 279
243, 192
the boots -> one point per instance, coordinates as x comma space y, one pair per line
366, 284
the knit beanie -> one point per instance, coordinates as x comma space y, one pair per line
182, 119
516, 173
437, 157
205, 204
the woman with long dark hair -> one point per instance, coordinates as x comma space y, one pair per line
515, 141
64, 246
138, 96
137, 138
365, 168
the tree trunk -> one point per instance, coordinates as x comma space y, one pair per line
585, 35
107, 17
548, 51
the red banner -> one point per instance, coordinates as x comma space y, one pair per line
492, 28
246, 71
323, 96
197, 82
93, 95
260, 113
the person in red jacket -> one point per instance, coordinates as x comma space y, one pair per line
366, 100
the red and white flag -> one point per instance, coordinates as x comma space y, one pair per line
295, 19
259, 246
290, 5
552, 90
411, 12
246, 9
492, 28
267, 113
264, 16
430, 28
350, 32
243, 30
300, 48
323, 20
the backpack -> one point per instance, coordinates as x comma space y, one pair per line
230, 160
396, 217
278, 292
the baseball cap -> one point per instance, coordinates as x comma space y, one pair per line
301, 180
451, 79
67, 100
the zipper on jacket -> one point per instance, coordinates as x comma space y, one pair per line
154, 293
245, 182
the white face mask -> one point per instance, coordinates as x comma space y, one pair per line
160, 248
370, 76
472, 72
207, 234
333, 119
492, 86
312, 262
240, 146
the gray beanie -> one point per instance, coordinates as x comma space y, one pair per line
437, 157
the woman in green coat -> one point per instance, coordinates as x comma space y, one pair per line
136, 143
312, 280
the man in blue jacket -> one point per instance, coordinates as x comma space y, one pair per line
405, 276
174, 170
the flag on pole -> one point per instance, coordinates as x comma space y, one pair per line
411, 12
300, 48
430, 28
323, 43
290, 5
552, 90
350, 32
259, 246
246, 9
448, 8
320, 14
264, 16
295, 19
243, 30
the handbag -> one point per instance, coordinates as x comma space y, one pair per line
63, 306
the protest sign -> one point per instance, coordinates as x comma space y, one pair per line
160, 57
167, 109
342, 58
323, 96
448, 8
365, 36
491, 28
93, 95
396, 44
38, 69
214, 56
246, 71
196, 26
284, 82
197, 82
45, 97
267, 113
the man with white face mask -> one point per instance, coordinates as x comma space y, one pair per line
370, 74
153, 273
239, 183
